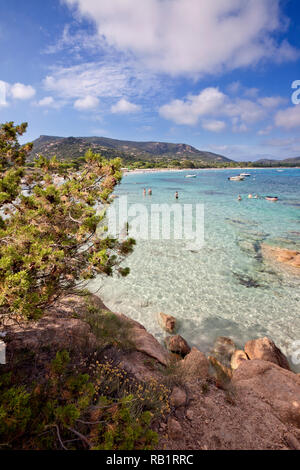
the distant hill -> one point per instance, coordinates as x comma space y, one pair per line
71, 148
286, 162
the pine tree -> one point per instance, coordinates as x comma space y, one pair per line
49, 215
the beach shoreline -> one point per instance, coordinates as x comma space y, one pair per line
177, 170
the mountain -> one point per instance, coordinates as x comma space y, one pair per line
286, 162
70, 148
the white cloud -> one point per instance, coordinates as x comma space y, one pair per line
213, 106
47, 101
74, 40
101, 79
214, 126
288, 118
246, 110
265, 131
17, 91
272, 101
189, 111
21, 92
124, 107
190, 36
211, 102
86, 103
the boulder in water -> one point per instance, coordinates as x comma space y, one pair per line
167, 322
177, 344
223, 349
266, 350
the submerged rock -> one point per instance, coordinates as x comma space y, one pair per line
223, 350
167, 322
223, 373
266, 350
283, 256
177, 344
247, 281
237, 358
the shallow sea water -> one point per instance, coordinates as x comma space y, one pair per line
226, 288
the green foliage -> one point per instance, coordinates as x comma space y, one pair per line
108, 328
87, 405
49, 240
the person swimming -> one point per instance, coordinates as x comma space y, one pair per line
176, 195
239, 197
250, 196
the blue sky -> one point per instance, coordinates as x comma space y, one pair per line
217, 75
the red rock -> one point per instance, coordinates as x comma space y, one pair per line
177, 344
195, 365
237, 358
266, 350
167, 322
272, 385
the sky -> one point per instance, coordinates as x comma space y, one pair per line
215, 74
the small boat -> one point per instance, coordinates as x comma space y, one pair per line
271, 198
245, 174
190, 176
236, 178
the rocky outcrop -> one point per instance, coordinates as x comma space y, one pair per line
146, 343
60, 329
167, 322
271, 384
60, 333
237, 358
195, 365
178, 345
282, 256
266, 350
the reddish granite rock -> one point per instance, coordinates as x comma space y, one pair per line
273, 385
237, 358
266, 350
195, 365
288, 258
167, 322
177, 344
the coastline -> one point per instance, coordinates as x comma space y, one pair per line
177, 170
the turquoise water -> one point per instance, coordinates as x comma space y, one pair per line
225, 288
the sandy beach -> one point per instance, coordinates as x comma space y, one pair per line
176, 170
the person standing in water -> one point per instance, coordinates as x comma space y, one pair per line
144, 191
239, 197
176, 195
150, 192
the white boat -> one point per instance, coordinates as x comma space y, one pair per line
245, 174
190, 176
236, 178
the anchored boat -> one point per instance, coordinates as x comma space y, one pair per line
236, 178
